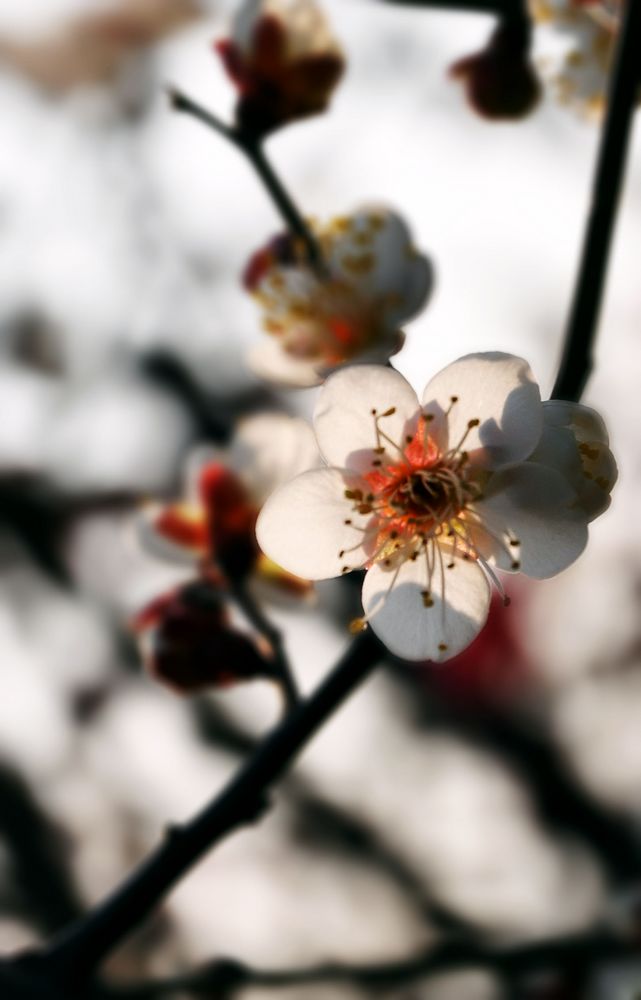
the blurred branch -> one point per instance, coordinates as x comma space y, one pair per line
39, 514
254, 152
503, 7
38, 854
223, 978
72, 958
576, 363
560, 800
323, 824
264, 627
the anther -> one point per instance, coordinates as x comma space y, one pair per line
516, 564
374, 412
427, 599
390, 412
376, 462
357, 625
514, 541
473, 423
442, 646
347, 520
344, 569
341, 553
453, 399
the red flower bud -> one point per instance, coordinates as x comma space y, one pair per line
500, 81
189, 645
231, 519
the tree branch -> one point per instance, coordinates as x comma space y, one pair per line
74, 955
576, 363
264, 627
254, 152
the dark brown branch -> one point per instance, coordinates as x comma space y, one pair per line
501, 7
73, 957
261, 623
254, 152
576, 363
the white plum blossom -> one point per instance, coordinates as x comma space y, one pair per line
432, 497
373, 281
576, 42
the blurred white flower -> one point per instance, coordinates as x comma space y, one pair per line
577, 52
375, 280
431, 496
214, 524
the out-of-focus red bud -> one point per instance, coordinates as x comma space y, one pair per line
231, 519
189, 645
283, 61
495, 668
500, 81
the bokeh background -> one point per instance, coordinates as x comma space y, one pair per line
502, 792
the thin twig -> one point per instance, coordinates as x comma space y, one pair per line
224, 977
255, 153
502, 7
576, 362
74, 955
262, 624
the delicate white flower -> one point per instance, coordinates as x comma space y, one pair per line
374, 280
213, 525
431, 497
577, 41
284, 59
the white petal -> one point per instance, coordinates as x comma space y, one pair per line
409, 629
271, 448
302, 526
343, 419
536, 506
585, 422
593, 470
268, 360
398, 270
498, 390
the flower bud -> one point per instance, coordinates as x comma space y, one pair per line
500, 81
189, 645
284, 61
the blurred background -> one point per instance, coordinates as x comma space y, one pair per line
499, 793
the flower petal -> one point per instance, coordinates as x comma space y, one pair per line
586, 423
536, 506
413, 631
268, 360
271, 448
575, 442
343, 419
302, 526
499, 391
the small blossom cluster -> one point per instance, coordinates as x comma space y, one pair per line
432, 498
